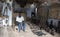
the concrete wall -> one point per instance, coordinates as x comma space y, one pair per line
29, 11
29, 8
55, 22
54, 13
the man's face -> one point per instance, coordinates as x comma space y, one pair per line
19, 15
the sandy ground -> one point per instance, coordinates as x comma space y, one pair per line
9, 32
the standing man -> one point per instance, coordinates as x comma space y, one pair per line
20, 20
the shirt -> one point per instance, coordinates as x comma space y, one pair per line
19, 19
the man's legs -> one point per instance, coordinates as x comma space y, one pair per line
23, 26
19, 26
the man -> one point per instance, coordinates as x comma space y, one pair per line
20, 20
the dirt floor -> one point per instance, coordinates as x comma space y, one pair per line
9, 32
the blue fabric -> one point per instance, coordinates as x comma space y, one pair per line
21, 25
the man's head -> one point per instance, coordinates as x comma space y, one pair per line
19, 15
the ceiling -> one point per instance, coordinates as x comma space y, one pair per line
24, 2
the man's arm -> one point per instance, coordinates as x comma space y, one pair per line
17, 19
22, 18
